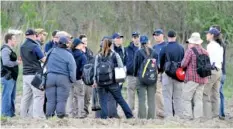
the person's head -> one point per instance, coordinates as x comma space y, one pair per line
158, 35
77, 44
30, 34
41, 34
64, 34
216, 27
171, 36
106, 46
212, 34
135, 38
145, 43
10, 39
83, 38
63, 42
117, 39
194, 40
54, 38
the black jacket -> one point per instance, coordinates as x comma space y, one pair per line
80, 60
121, 51
130, 52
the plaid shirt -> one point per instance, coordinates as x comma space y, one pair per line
190, 62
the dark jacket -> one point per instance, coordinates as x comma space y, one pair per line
31, 63
175, 52
139, 58
121, 51
80, 59
158, 48
90, 56
49, 45
130, 52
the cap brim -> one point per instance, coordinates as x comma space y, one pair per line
121, 36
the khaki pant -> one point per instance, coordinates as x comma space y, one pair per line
87, 99
75, 103
131, 90
32, 101
192, 91
211, 96
172, 95
159, 97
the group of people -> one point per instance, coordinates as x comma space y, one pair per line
149, 69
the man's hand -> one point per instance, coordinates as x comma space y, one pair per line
43, 59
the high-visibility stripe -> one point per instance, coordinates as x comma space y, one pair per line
144, 70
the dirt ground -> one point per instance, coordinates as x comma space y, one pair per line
90, 122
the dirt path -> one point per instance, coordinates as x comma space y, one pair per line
116, 123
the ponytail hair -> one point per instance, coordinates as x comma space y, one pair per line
106, 48
145, 46
219, 40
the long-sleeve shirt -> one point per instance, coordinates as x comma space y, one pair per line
6, 58
216, 54
190, 62
81, 60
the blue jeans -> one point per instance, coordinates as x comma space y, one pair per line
221, 113
8, 97
113, 89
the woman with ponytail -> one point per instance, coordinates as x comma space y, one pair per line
146, 92
104, 79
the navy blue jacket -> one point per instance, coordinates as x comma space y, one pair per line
121, 52
158, 48
175, 52
80, 59
139, 58
49, 45
130, 52
90, 56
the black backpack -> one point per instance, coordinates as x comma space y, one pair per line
148, 70
203, 64
171, 67
105, 70
88, 74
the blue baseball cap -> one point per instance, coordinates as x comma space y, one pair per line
30, 32
157, 32
117, 35
213, 31
144, 39
63, 40
135, 34
76, 42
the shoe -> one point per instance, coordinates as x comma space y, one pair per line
222, 117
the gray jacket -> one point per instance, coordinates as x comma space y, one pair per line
6, 58
61, 61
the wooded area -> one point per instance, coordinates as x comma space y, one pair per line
99, 18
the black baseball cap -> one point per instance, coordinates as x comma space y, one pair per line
171, 34
30, 32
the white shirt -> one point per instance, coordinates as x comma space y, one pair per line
216, 54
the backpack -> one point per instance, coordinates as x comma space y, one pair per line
148, 70
171, 67
88, 74
105, 70
203, 64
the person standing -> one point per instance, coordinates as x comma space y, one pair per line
90, 60
52, 43
146, 93
158, 35
32, 56
9, 74
211, 91
131, 80
172, 88
194, 83
59, 78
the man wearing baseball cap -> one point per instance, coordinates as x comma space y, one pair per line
194, 84
32, 56
158, 36
131, 80
173, 53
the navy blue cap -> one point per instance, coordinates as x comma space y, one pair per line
63, 40
171, 34
117, 35
157, 32
214, 31
144, 39
77, 41
135, 34
30, 32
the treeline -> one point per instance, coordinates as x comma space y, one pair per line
100, 18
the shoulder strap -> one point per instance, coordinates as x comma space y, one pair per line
4, 46
168, 57
46, 61
195, 51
